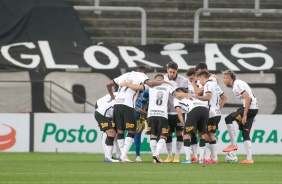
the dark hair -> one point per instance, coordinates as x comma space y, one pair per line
161, 75
172, 65
204, 73
190, 71
142, 69
184, 90
201, 65
231, 73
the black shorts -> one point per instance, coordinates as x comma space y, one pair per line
104, 122
157, 126
174, 123
124, 117
197, 120
238, 115
213, 124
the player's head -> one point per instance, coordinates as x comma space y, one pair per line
191, 74
159, 77
201, 66
142, 69
203, 76
182, 90
228, 77
172, 69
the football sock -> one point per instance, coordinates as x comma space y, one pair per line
179, 143
160, 146
153, 145
231, 132
118, 151
248, 148
109, 146
137, 143
213, 150
127, 144
187, 148
120, 141
207, 153
169, 146
194, 149
202, 149
104, 136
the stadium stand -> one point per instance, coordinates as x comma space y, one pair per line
173, 20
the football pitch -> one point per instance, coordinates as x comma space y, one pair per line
89, 168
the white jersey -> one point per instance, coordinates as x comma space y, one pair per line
182, 104
107, 109
127, 96
239, 87
210, 78
178, 82
105, 99
158, 100
188, 104
214, 102
191, 88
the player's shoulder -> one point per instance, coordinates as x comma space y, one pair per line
181, 77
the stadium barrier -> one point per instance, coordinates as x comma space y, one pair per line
62, 132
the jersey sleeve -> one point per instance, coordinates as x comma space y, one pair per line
119, 79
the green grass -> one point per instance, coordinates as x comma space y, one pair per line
89, 168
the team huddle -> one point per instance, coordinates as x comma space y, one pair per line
171, 103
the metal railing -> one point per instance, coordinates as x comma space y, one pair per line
98, 8
52, 91
257, 11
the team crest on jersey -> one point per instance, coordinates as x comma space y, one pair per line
128, 125
189, 129
148, 129
103, 125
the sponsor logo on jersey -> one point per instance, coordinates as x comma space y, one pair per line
103, 125
210, 127
128, 125
239, 117
164, 130
189, 129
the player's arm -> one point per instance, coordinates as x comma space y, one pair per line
110, 85
180, 116
152, 83
247, 106
223, 99
198, 91
132, 86
207, 96
180, 95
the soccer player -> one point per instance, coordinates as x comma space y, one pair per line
100, 102
196, 122
244, 116
103, 114
174, 124
124, 114
192, 81
216, 100
141, 122
199, 89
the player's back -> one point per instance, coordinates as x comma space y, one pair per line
158, 100
125, 95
